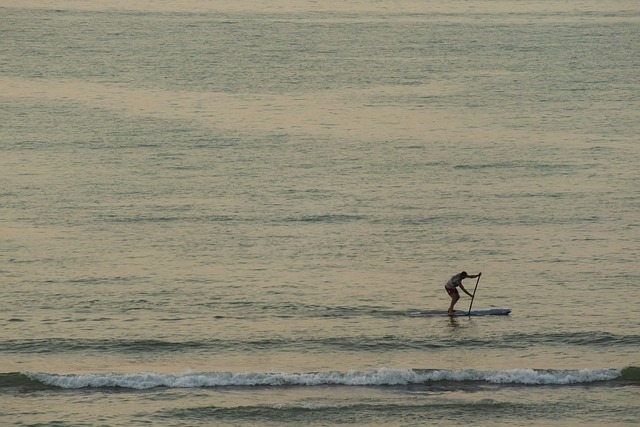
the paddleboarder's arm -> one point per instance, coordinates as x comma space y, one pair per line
465, 291
473, 276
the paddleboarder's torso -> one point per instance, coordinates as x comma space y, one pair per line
455, 281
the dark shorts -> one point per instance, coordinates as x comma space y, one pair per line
452, 292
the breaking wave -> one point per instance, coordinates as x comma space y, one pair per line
379, 377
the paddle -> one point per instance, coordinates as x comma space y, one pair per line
474, 294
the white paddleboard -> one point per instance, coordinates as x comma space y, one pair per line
462, 313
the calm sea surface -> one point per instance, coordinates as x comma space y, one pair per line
243, 214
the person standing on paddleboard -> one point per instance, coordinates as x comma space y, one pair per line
452, 285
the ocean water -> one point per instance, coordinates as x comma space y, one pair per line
215, 213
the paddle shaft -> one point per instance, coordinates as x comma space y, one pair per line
473, 296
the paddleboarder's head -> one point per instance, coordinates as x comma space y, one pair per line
463, 274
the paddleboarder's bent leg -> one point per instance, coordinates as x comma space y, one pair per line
455, 296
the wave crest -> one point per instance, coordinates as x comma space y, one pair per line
379, 377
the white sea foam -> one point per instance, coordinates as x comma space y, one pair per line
380, 377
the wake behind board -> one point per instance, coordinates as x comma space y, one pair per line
462, 313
